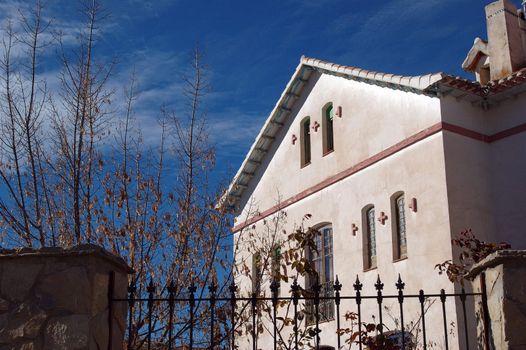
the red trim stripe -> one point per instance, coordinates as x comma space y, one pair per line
507, 133
465, 132
442, 126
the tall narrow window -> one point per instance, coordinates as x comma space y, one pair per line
305, 142
256, 273
399, 236
321, 260
328, 129
369, 238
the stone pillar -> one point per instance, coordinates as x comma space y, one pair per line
501, 322
58, 299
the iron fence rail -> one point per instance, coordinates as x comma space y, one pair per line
314, 300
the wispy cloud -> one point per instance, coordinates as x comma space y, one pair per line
233, 127
149, 8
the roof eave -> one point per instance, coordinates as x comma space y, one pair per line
275, 119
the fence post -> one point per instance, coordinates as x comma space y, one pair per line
400, 285
233, 289
131, 303
337, 288
295, 288
358, 287
61, 299
171, 306
111, 286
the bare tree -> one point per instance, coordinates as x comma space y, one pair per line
24, 97
76, 170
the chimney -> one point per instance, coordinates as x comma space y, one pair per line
505, 50
504, 38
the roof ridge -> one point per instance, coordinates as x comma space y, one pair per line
419, 82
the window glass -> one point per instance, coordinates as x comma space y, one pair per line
400, 226
305, 142
371, 231
328, 143
327, 247
371, 238
322, 262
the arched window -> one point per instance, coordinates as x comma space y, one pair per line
369, 237
321, 259
305, 142
398, 226
328, 128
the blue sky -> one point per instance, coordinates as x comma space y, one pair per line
253, 47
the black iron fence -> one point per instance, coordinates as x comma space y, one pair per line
231, 321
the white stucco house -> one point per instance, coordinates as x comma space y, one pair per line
392, 167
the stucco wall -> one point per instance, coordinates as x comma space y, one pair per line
486, 179
508, 165
374, 118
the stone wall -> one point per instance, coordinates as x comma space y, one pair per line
501, 324
57, 299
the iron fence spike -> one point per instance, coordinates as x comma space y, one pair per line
171, 287
151, 287
357, 285
399, 284
379, 285
192, 289
337, 285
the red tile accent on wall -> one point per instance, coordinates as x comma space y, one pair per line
413, 205
354, 229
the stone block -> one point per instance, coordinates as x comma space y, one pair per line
4, 305
67, 333
21, 346
100, 293
503, 273
24, 322
18, 279
27, 346
99, 331
69, 290
3, 321
55, 299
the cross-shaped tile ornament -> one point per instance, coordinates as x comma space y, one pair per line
316, 126
354, 229
339, 111
413, 205
382, 218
